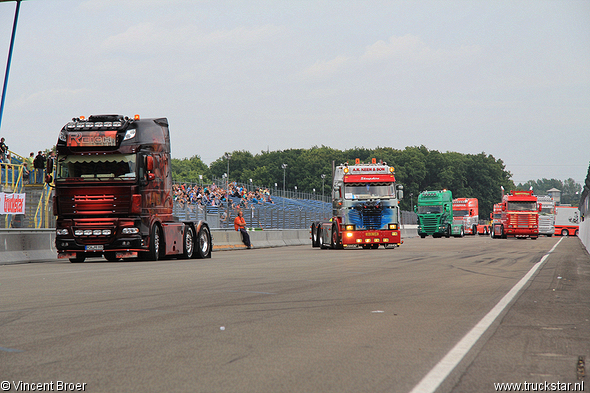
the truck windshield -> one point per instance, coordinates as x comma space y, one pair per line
521, 206
107, 166
546, 211
369, 190
429, 209
460, 213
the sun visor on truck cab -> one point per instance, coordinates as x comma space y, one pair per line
368, 178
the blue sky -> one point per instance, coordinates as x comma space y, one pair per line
508, 78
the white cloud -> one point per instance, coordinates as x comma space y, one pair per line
151, 36
326, 68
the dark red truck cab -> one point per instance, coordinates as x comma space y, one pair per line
113, 193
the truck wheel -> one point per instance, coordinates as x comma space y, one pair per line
564, 232
448, 231
314, 236
422, 236
577, 232
204, 243
188, 247
474, 230
155, 243
79, 258
335, 238
321, 239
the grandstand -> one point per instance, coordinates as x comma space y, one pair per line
284, 213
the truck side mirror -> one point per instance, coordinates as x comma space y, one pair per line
149, 163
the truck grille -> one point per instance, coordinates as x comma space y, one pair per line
430, 223
369, 216
95, 205
522, 220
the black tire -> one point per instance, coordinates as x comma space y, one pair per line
79, 258
155, 243
314, 236
448, 231
474, 230
577, 232
188, 242
204, 244
111, 256
422, 236
564, 232
335, 238
321, 239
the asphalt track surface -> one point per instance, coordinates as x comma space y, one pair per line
298, 319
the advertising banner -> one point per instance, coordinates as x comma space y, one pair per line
12, 203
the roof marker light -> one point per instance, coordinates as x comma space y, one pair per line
136, 117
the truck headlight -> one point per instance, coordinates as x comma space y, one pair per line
61, 231
392, 226
350, 227
130, 230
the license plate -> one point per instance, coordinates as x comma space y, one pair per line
94, 247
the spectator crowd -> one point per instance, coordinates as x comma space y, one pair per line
236, 196
33, 166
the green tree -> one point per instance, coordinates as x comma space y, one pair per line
189, 169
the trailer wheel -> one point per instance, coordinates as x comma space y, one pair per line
204, 243
564, 232
79, 258
188, 246
155, 243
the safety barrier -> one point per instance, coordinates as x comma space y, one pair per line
38, 245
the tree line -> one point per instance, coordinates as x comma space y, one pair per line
417, 168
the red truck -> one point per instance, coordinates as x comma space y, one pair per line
466, 212
113, 193
495, 220
519, 217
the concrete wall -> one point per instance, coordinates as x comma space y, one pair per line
584, 234
37, 245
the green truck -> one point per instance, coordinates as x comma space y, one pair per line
435, 215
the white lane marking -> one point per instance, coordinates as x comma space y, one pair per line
446, 365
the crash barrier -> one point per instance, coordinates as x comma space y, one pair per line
37, 245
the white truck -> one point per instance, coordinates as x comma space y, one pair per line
567, 220
546, 215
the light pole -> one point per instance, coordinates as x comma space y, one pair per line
227, 157
323, 179
284, 166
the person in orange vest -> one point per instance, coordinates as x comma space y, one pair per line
240, 225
